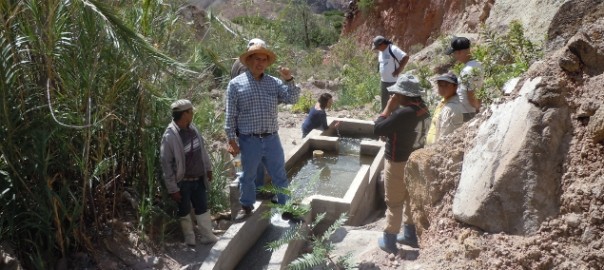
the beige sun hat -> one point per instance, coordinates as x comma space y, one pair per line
406, 85
258, 48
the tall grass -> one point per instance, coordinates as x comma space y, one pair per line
360, 77
83, 96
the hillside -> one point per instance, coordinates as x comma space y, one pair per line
568, 108
80, 188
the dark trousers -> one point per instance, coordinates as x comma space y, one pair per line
385, 94
192, 192
468, 116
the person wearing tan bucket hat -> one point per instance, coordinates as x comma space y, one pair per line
399, 122
251, 124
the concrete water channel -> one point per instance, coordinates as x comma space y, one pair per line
343, 180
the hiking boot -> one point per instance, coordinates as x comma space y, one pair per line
187, 230
388, 243
408, 236
204, 223
289, 216
245, 212
262, 195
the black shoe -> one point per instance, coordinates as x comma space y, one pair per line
261, 195
245, 212
291, 218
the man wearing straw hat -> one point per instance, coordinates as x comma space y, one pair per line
251, 122
238, 68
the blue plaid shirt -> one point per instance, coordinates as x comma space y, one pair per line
251, 105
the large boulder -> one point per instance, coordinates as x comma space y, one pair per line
569, 18
511, 176
593, 109
535, 16
588, 46
432, 173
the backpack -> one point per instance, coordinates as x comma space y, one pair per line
391, 53
421, 131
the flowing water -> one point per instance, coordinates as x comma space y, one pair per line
330, 175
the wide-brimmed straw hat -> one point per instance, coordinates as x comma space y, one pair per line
406, 85
258, 48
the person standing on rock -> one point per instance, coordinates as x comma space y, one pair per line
392, 61
187, 171
251, 124
317, 117
470, 77
448, 115
236, 70
404, 111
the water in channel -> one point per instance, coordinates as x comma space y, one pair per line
330, 175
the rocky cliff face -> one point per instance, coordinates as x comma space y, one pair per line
411, 22
530, 167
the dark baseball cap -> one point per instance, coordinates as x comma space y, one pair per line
458, 44
377, 41
448, 77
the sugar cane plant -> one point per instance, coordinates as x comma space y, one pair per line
84, 99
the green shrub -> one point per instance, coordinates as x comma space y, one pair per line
504, 57
365, 5
360, 78
84, 107
304, 104
218, 200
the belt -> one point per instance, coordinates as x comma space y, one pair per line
262, 135
191, 178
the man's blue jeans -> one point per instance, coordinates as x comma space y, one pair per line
260, 176
268, 151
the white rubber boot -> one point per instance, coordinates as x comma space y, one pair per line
204, 221
187, 230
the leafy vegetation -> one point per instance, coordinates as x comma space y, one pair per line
357, 69
84, 100
296, 26
304, 104
504, 57
322, 247
85, 88
365, 5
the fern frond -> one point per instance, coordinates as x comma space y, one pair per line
336, 224
296, 232
308, 260
345, 261
318, 220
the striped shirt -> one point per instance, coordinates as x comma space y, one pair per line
251, 105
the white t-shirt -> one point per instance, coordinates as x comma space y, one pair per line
470, 79
387, 62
